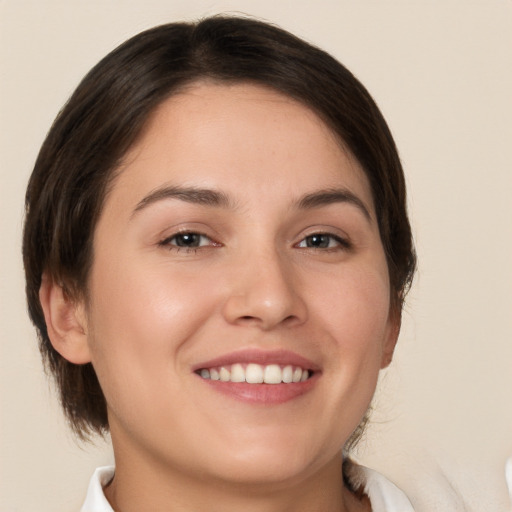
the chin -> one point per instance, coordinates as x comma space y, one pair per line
272, 471
282, 460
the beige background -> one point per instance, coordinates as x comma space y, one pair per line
441, 70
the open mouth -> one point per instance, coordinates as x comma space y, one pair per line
253, 373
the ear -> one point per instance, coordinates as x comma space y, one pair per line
393, 330
65, 322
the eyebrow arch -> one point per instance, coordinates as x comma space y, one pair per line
202, 196
209, 197
331, 196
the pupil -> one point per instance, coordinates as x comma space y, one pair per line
187, 240
321, 241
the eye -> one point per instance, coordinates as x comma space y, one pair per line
323, 241
187, 240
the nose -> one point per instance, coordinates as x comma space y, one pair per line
265, 293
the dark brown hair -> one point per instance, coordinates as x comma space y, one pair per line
106, 114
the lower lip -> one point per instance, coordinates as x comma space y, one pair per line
269, 394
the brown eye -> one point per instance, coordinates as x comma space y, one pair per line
187, 240
322, 241
318, 241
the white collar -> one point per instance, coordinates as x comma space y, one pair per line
95, 500
384, 495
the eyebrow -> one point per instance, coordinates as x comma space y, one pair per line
215, 198
202, 196
331, 196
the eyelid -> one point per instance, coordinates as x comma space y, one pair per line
166, 240
341, 236
342, 242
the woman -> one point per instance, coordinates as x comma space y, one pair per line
217, 250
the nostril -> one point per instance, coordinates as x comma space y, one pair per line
256, 308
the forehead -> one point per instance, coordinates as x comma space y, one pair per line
246, 137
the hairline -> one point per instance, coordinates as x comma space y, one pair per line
114, 172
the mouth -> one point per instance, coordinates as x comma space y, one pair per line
256, 376
254, 373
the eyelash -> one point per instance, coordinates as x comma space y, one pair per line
339, 242
167, 242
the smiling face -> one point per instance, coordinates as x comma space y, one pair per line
238, 243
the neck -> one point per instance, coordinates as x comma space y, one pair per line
147, 485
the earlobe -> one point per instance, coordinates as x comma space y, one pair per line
388, 348
65, 322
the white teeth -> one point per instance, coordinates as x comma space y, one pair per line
256, 374
237, 373
272, 374
224, 375
287, 374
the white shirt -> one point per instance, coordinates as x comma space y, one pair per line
508, 477
384, 496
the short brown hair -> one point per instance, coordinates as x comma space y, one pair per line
106, 114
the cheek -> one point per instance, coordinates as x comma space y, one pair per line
141, 299
140, 319
355, 305
355, 318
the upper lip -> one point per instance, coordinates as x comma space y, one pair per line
258, 356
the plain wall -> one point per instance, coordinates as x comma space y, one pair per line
441, 72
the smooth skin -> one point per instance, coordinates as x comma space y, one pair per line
237, 221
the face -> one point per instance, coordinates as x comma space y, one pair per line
238, 243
